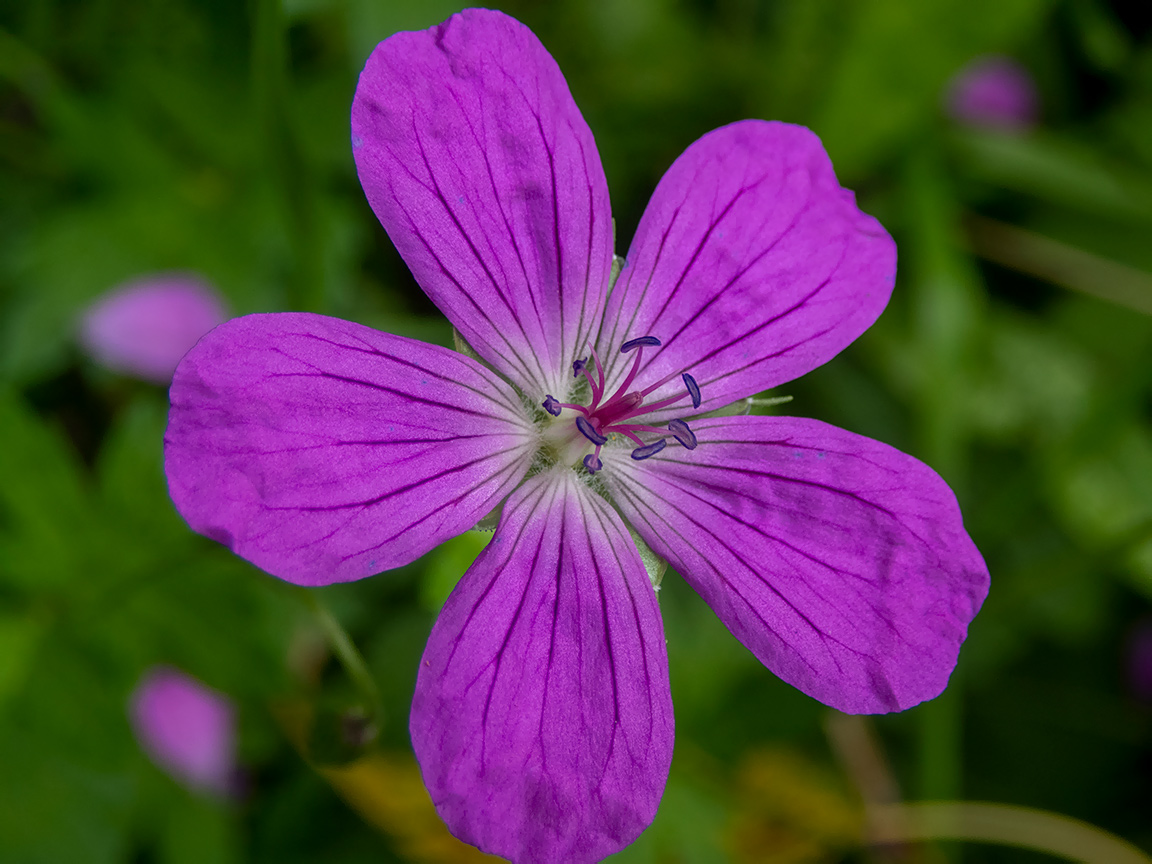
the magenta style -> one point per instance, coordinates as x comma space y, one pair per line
592, 407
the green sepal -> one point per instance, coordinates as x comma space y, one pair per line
653, 563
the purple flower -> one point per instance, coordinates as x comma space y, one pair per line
144, 327
995, 93
186, 728
324, 451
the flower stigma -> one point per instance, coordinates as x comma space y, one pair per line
617, 414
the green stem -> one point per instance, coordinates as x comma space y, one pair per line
346, 652
1003, 824
946, 312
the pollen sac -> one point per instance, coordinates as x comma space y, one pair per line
592, 463
578, 367
650, 450
551, 405
589, 432
640, 341
693, 389
682, 433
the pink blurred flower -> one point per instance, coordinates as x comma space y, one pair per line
993, 92
186, 728
143, 327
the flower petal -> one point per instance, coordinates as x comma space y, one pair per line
542, 718
323, 451
483, 172
841, 563
750, 264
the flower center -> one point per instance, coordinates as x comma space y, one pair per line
617, 413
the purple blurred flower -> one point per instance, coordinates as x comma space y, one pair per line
995, 93
186, 728
324, 451
145, 326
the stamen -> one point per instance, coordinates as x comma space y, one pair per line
580, 367
599, 366
589, 432
682, 433
629, 434
553, 406
651, 388
650, 341
638, 344
693, 389
592, 463
651, 450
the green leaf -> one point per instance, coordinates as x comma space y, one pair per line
896, 62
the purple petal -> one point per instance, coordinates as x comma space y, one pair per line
994, 93
186, 728
144, 327
750, 264
483, 172
841, 563
542, 718
323, 451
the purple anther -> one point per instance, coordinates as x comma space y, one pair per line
592, 463
648, 341
552, 405
693, 389
651, 450
589, 432
682, 433
578, 367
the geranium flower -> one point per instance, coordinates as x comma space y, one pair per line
324, 451
993, 92
143, 327
186, 728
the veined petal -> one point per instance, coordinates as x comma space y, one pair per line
542, 718
750, 264
324, 451
482, 170
841, 563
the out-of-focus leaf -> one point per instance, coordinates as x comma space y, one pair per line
790, 811
48, 525
66, 786
689, 827
1105, 41
386, 790
18, 637
445, 564
200, 831
1056, 170
894, 66
1031, 382
1106, 493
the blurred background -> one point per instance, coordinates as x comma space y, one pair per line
168, 162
